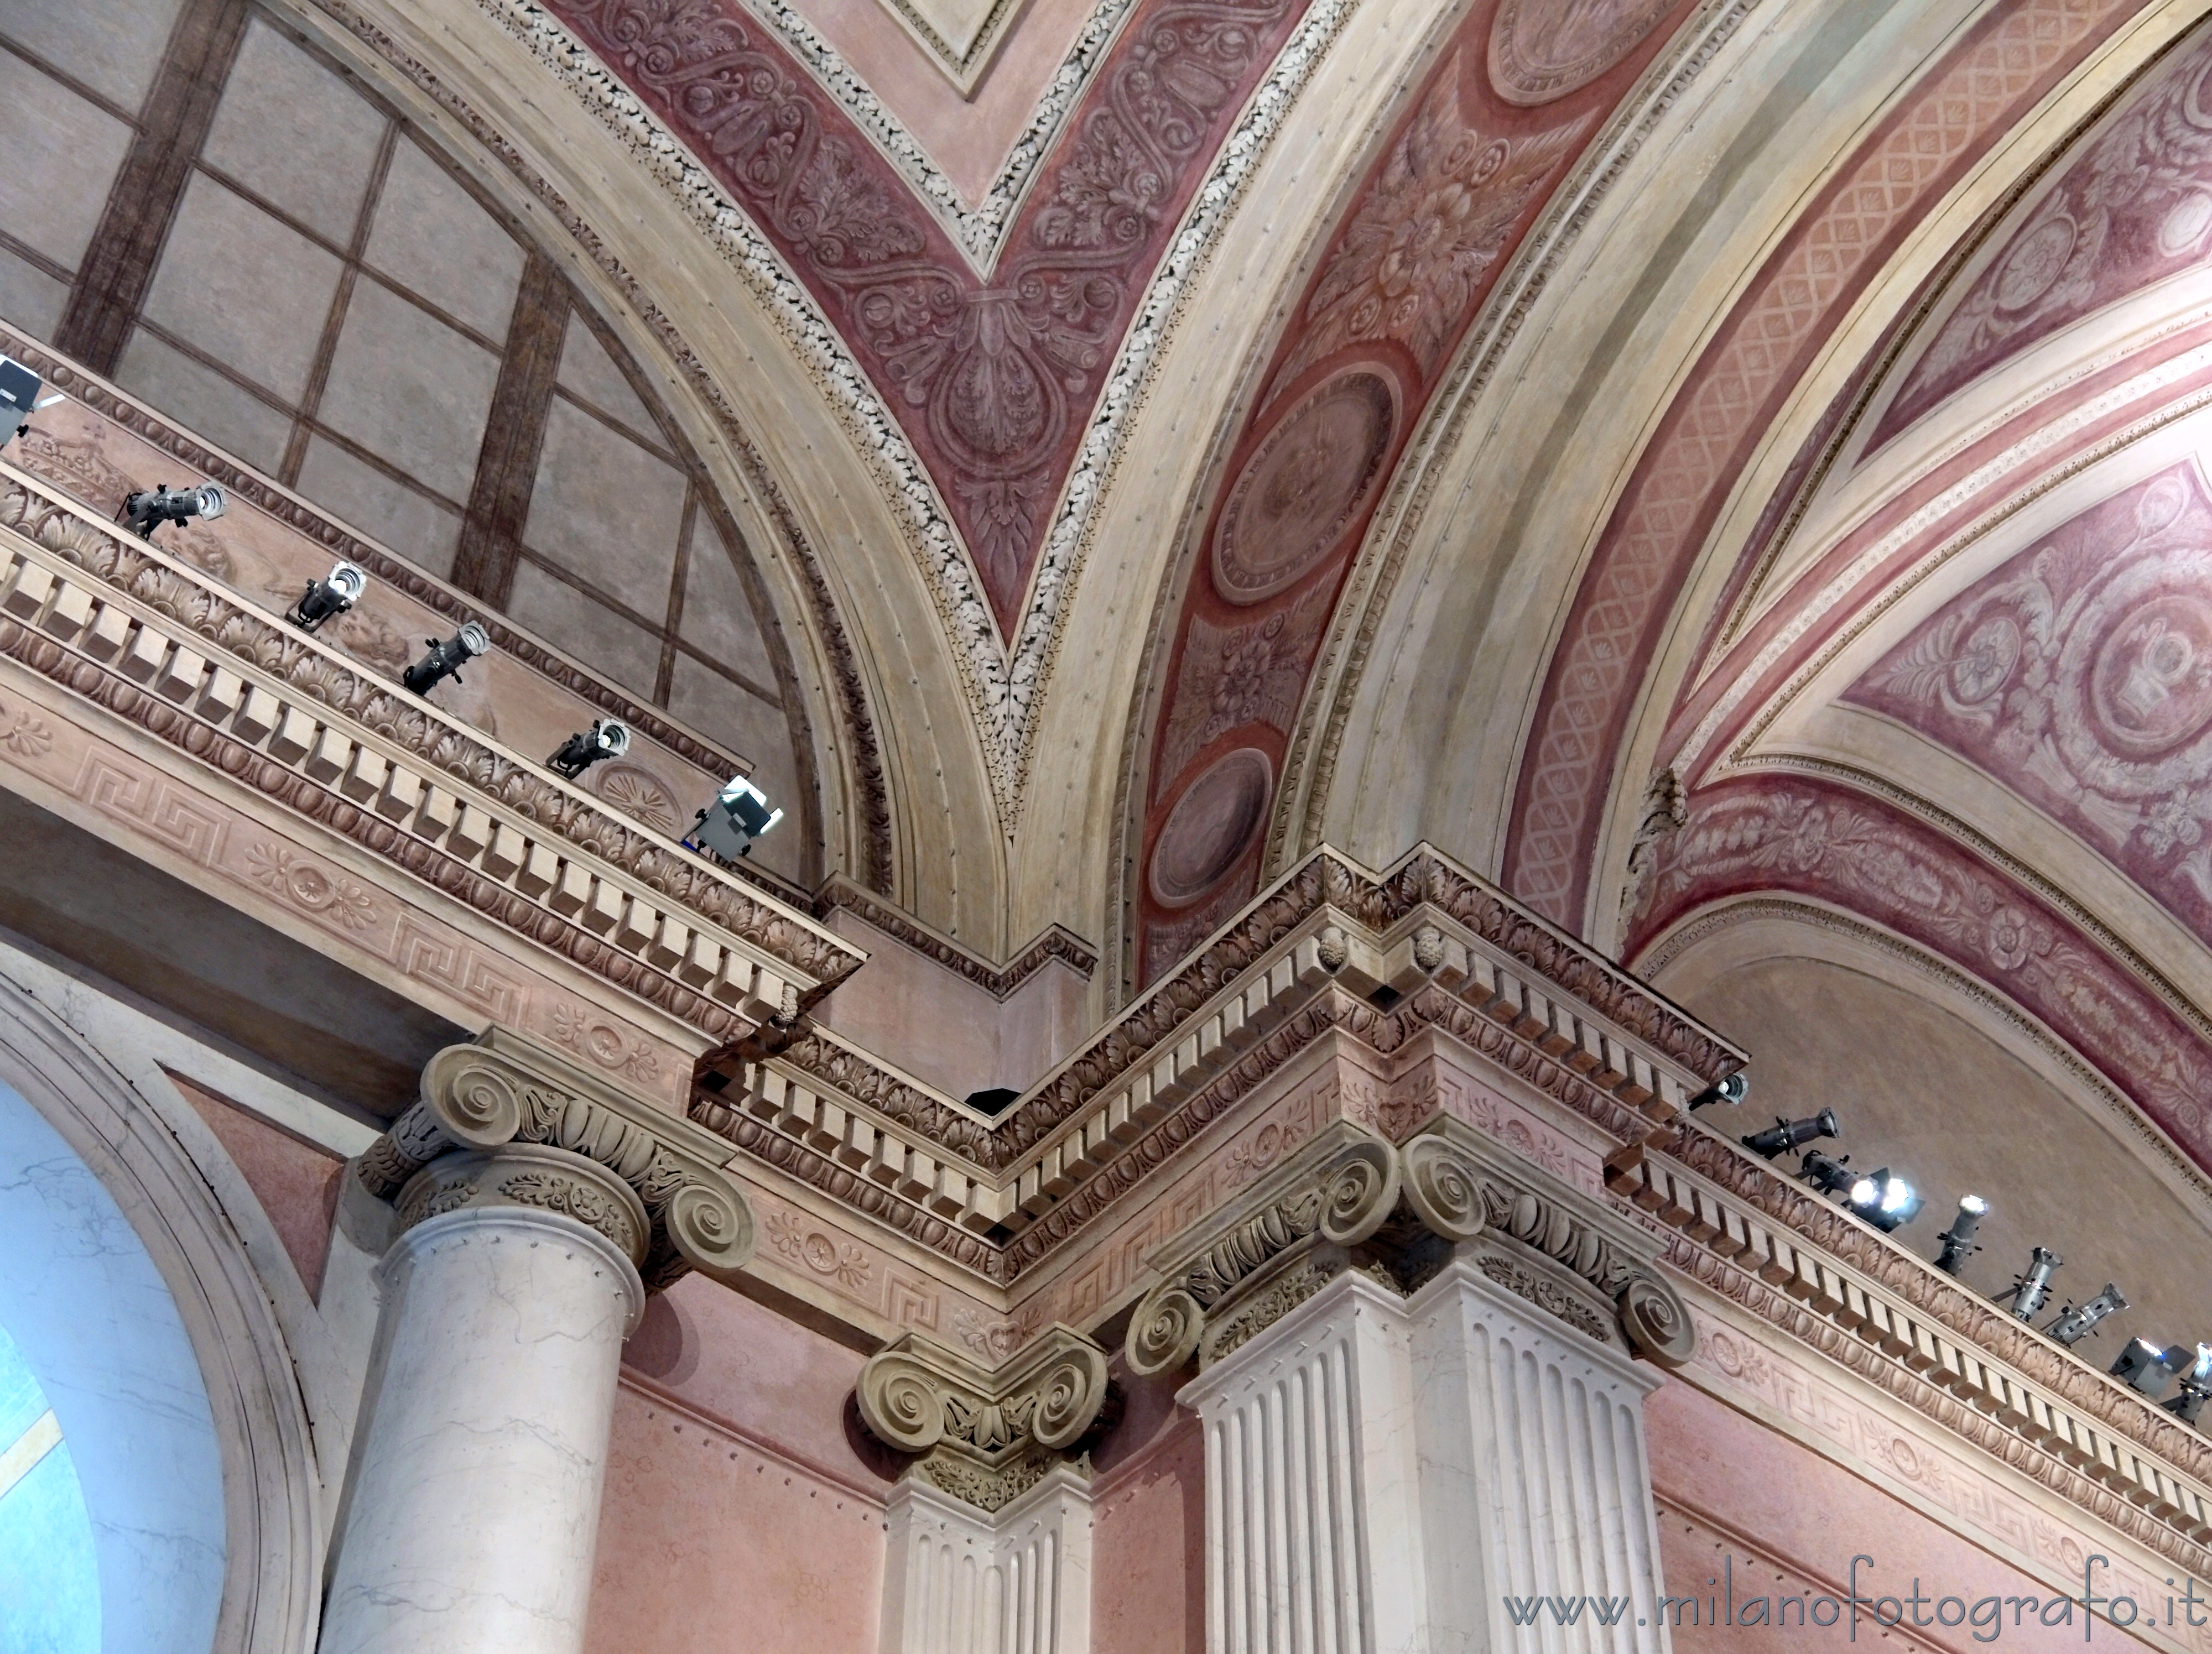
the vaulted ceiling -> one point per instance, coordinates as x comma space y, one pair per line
1676, 455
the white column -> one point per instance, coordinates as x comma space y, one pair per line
472, 1518
1313, 1510
959, 1580
1535, 1479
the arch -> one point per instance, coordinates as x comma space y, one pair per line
187, 1370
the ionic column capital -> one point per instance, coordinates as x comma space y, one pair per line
985, 1436
1349, 1200
566, 1141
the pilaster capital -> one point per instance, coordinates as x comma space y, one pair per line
507, 1093
984, 1435
1349, 1200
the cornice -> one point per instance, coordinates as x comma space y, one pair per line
1055, 941
862, 747
65, 375
1443, 949
115, 620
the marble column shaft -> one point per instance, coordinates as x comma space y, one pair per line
472, 1524
959, 1580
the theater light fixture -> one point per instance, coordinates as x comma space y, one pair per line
1885, 1200
606, 738
1830, 1174
2031, 1291
19, 399
740, 813
2145, 1368
2195, 1387
445, 660
331, 596
2076, 1322
1732, 1090
1785, 1134
147, 511
1958, 1240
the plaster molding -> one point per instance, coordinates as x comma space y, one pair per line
1055, 942
117, 622
104, 399
683, 1211
1003, 680
985, 1436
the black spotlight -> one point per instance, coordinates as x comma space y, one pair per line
605, 739
1732, 1090
1958, 1240
145, 512
19, 397
2196, 1387
445, 660
1885, 1200
1830, 1174
2145, 1368
1786, 1135
738, 814
2031, 1291
331, 596
2077, 1322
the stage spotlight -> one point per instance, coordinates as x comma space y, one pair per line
19, 398
147, 511
1958, 1240
1884, 1200
445, 660
1830, 1174
2145, 1368
738, 814
2196, 1387
1786, 1135
1732, 1090
605, 739
2031, 1291
332, 595
2074, 1324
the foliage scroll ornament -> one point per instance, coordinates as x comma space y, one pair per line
1350, 1201
980, 1434
505, 1090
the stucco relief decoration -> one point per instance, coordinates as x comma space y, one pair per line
1540, 50
996, 374
2134, 208
1232, 676
2080, 673
299, 880
1800, 836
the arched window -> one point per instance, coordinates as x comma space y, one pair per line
49, 1577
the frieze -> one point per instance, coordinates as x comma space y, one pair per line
1055, 943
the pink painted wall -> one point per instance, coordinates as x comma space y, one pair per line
1727, 1486
1148, 1538
744, 1511
296, 1182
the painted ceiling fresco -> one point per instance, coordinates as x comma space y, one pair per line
994, 373
1515, 99
1716, 423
